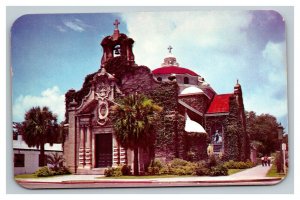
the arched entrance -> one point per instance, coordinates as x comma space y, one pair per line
104, 148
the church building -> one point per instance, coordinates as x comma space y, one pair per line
194, 115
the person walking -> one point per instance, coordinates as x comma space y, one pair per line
265, 160
262, 161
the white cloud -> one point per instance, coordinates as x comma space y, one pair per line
274, 58
50, 97
60, 29
185, 31
75, 25
269, 94
216, 45
262, 101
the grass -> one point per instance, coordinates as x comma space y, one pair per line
273, 172
233, 171
144, 177
24, 176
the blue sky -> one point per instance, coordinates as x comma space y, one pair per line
53, 53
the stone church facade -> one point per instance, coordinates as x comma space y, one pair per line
193, 115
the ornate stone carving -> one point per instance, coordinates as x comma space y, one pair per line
105, 87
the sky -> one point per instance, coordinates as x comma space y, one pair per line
53, 53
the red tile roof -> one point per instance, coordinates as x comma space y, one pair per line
173, 70
219, 104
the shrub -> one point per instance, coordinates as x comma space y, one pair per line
55, 160
113, 172
153, 171
219, 170
201, 169
230, 164
212, 161
250, 164
155, 167
156, 163
178, 163
178, 171
126, 170
165, 170
61, 171
181, 167
44, 172
238, 165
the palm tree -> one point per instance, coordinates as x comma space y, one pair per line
55, 160
133, 118
39, 127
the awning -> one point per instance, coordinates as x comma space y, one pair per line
192, 126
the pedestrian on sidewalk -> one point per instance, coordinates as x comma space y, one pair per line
266, 160
262, 161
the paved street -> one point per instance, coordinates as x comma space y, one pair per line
253, 176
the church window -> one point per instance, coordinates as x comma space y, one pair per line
117, 51
186, 80
159, 78
19, 160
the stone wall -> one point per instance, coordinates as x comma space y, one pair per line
199, 102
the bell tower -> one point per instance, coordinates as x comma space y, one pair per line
117, 44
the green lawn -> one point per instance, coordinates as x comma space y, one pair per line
144, 177
273, 172
233, 171
34, 176
26, 176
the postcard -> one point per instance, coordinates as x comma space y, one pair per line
149, 99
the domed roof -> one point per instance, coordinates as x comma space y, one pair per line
191, 90
173, 70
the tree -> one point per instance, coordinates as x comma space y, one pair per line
55, 160
39, 127
133, 119
17, 126
263, 131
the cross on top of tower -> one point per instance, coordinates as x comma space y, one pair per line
170, 48
116, 23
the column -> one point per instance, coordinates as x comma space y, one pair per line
81, 148
88, 153
123, 155
115, 157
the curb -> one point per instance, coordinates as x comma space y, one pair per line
151, 181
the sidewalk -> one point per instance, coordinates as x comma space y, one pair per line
255, 174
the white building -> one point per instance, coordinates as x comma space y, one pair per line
26, 159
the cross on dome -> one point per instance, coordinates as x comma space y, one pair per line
170, 48
169, 60
116, 23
